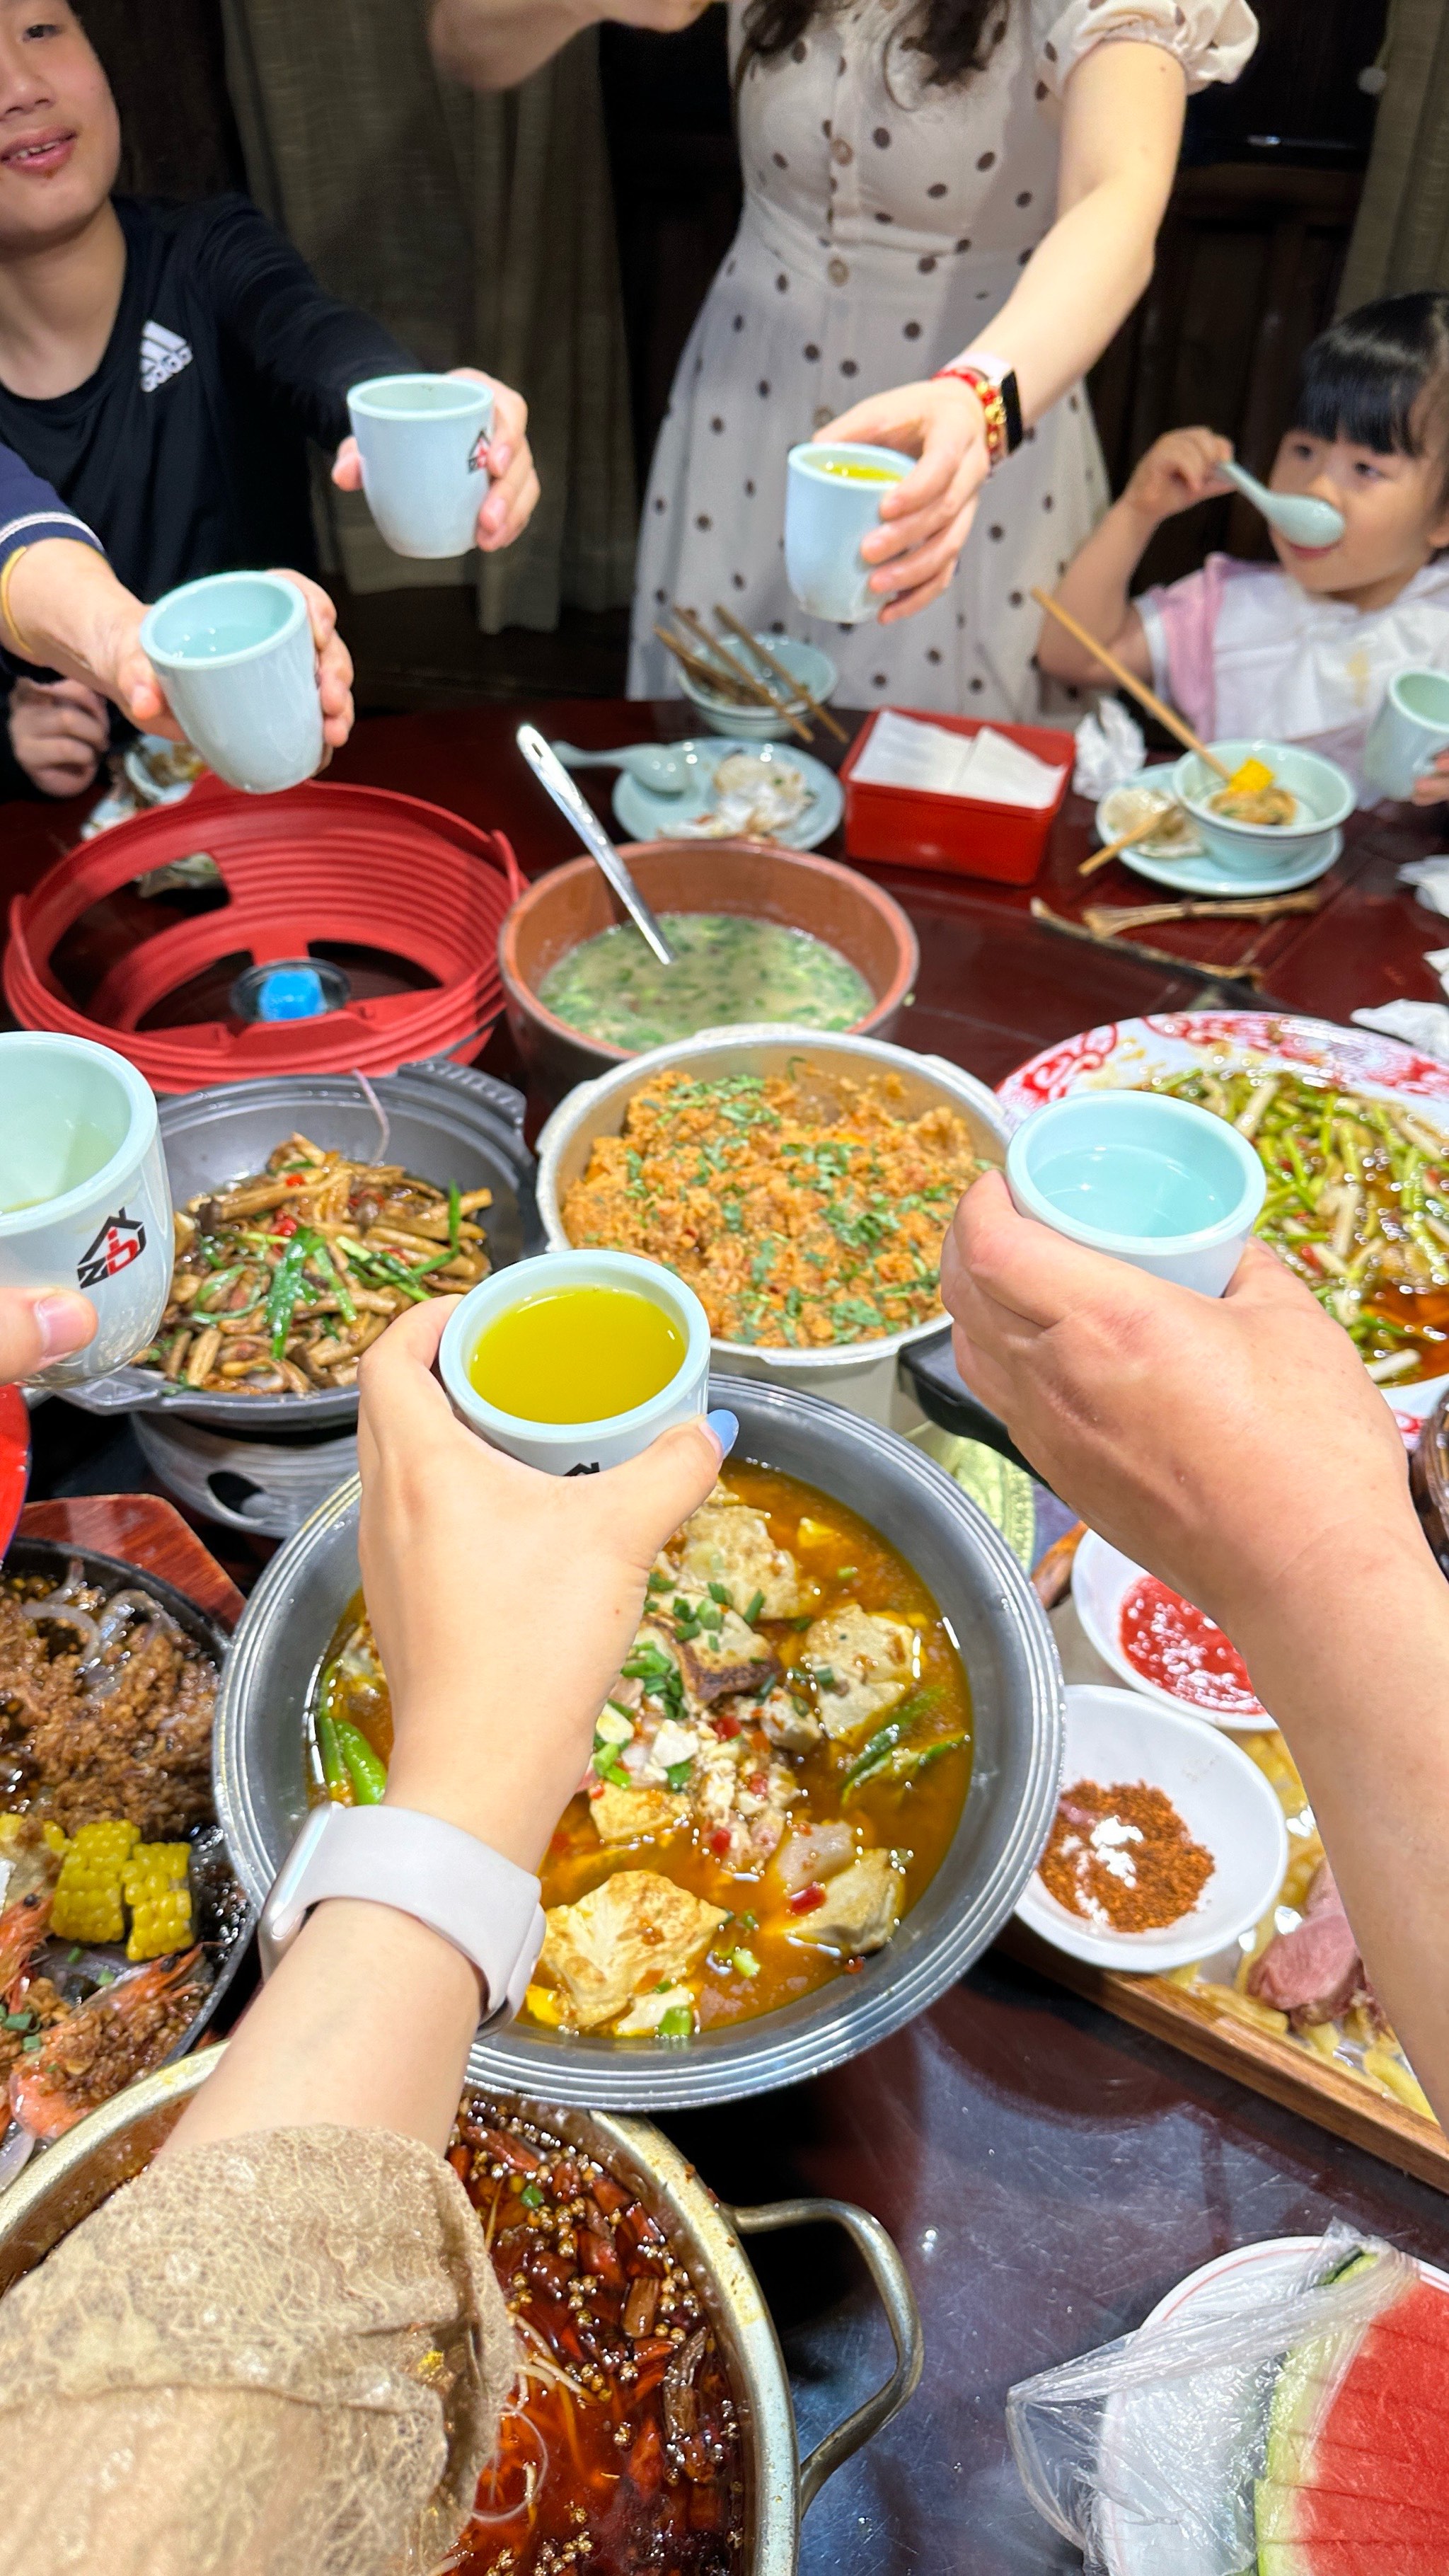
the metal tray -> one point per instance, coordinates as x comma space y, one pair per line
446, 1122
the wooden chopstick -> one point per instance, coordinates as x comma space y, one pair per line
1112, 849
1128, 680
1109, 918
797, 688
697, 667
758, 692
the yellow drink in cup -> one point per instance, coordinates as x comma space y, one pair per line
577, 1360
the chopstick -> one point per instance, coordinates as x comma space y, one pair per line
1128, 680
758, 692
1109, 918
699, 669
797, 688
1112, 850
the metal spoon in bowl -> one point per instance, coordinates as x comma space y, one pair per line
1296, 515
652, 764
572, 802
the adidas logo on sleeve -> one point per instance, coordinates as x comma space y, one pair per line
163, 355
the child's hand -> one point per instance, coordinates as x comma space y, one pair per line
1177, 471
59, 730
1433, 787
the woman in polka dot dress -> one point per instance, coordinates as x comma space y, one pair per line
921, 181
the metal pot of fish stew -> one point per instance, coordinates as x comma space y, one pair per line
961, 1865
755, 2490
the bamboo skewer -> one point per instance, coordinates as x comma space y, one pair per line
1113, 849
797, 688
1128, 680
757, 692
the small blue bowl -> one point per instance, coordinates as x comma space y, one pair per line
1156, 1182
806, 664
1325, 797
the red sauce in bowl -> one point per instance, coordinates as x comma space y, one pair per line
1183, 1651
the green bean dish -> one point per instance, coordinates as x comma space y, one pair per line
1357, 1205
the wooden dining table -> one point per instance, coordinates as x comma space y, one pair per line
1047, 2172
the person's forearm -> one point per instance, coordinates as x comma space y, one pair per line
1121, 128
1095, 588
66, 611
365, 2025
494, 44
1352, 1659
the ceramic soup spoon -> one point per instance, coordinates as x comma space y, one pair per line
1296, 515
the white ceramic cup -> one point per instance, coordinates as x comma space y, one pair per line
827, 516
421, 440
1411, 726
236, 653
84, 1198
1156, 1182
576, 1448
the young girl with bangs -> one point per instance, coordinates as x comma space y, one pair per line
1300, 650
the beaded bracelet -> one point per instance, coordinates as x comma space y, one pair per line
1000, 406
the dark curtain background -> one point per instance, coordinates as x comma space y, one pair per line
164, 61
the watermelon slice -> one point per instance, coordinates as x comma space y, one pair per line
1356, 2477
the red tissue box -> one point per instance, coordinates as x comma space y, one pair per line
913, 829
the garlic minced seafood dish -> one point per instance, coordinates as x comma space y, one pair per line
115, 1896
776, 1775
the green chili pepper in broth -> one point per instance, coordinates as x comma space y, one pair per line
283, 1294
335, 1773
366, 1771
455, 1214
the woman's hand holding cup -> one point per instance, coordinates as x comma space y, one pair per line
926, 519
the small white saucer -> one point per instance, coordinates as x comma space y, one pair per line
1227, 1804
1102, 1577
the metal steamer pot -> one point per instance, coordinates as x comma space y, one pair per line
863, 1374
444, 1121
1016, 1688
117, 2142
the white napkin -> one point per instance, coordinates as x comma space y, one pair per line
986, 766
1424, 1025
1430, 881
1111, 747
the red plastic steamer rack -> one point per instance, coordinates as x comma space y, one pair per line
410, 897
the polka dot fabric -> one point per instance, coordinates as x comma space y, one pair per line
885, 224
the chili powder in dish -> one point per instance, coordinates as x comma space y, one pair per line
1122, 1858
1170, 1642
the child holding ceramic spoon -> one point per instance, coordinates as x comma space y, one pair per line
1300, 650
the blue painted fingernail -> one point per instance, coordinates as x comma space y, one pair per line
726, 1429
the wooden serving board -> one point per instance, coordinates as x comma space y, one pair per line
145, 1531
1288, 2073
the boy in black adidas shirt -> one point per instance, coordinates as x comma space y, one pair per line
163, 367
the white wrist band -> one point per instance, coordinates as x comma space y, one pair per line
485, 1905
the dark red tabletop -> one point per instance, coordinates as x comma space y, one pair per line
1047, 2172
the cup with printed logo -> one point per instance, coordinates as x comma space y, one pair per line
236, 655
84, 1198
575, 1361
1409, 731
833, 494
423, 441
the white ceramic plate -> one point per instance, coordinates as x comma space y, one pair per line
1224, 1800
1200, 2442
1127, 1053
152, 785
1102, 1577
646, 817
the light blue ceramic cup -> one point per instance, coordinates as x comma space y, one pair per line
1156, 1182
236, 654
1411, 727
826, 517
421, 439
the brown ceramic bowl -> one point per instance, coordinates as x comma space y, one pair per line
573, 903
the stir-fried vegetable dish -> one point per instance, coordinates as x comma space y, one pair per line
284, 1278
776, 1774
1357, 1204
804, 1209
620, 2448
